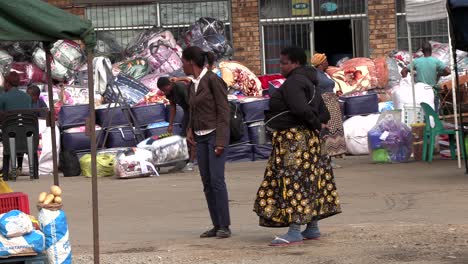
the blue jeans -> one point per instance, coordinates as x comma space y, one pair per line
212, 175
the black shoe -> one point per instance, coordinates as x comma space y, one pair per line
223, 232
210, 233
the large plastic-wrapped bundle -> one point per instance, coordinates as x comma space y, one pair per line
68, 54
390, 140
55, 227
32, 243
356, 129
208, 34
164, 59
151, 81
240, 78
403, 94
59, 72
134, 163
107, 46
20, 51
15, 223
135, 68
132, 90
441, 51
28, 72
5, 62
357, 75
166, 150
144, 40
402, 57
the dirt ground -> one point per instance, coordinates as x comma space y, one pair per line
401, 213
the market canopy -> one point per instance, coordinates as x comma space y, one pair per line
27, 20
425, 10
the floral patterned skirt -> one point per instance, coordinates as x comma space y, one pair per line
298, 186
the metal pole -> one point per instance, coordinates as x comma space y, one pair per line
91, 127
410, 48
51, 116
453, 69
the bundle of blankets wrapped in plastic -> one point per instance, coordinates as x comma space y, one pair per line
135, 69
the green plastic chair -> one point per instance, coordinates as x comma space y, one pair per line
430, 134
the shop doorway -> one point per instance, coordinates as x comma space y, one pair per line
334, 38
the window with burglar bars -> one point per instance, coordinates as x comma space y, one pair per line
291, 22
118, 22
420, 32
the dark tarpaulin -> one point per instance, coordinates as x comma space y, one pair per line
458, 16
36, 20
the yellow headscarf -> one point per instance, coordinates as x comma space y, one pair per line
318, 59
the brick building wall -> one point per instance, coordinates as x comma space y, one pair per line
246, 34
67, 5
382, 27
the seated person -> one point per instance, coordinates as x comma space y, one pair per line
37, 103
13, 99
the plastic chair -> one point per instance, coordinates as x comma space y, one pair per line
20, 135
430, 134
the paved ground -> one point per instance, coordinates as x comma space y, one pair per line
401, 213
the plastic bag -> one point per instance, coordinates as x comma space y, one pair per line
5, 62
15, 223
394, 137
107, 45
69, 163
105, 165
394, 75
134, 163
55, 228
32, 243
135, 68
166, 150
381, 70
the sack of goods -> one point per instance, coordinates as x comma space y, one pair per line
104, 162
55, 227
390, 141
166, 150
134, 163
17, 235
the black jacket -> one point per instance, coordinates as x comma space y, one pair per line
294, 95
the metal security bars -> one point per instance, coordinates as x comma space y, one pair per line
420, 32
118, 22
338, 27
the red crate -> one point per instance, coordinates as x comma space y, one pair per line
14, 200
